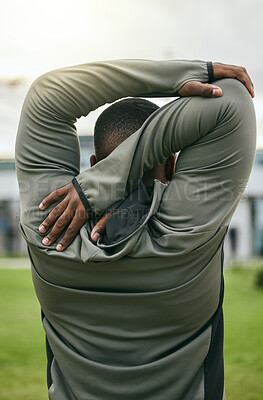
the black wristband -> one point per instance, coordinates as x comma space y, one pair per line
210, 71
82, 197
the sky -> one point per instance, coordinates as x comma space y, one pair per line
37, 36
40, 36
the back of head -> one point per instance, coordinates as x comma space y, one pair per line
118, 122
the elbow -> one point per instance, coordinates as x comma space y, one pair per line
41, 84
237, 107
236, 96
39, 95
244, 118
238, 116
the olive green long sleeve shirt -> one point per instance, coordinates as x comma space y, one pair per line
139, 315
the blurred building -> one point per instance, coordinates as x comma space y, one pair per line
11, 241
245, 234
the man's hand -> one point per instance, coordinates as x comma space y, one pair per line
69, 212
195, 88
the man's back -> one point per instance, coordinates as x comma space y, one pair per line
139, 315
137, 327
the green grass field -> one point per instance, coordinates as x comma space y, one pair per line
22, 356
243, 335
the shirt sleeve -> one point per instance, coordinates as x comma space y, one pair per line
216, 138
47, 147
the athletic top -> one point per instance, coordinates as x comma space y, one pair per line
139, 314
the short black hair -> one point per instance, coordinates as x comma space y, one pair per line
118, 122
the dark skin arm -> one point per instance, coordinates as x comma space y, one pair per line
70, 213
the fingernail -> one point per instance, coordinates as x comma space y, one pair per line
42, 229
41, 205
216, 92
59, 247
45, 241
95, 236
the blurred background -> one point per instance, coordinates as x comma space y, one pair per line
37, 37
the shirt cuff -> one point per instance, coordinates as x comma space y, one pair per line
210, 71
82, 197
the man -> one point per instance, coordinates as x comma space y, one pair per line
136, 314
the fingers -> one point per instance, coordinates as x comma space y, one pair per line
234, 71
58, 228
72, 231
243, 76
53, 216
209, 90
195, 88
54, 196
75, 220
70, 212
100, 227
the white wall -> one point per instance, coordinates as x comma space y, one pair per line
242, 222
8, 185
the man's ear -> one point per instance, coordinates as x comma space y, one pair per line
93, 160
170, 167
